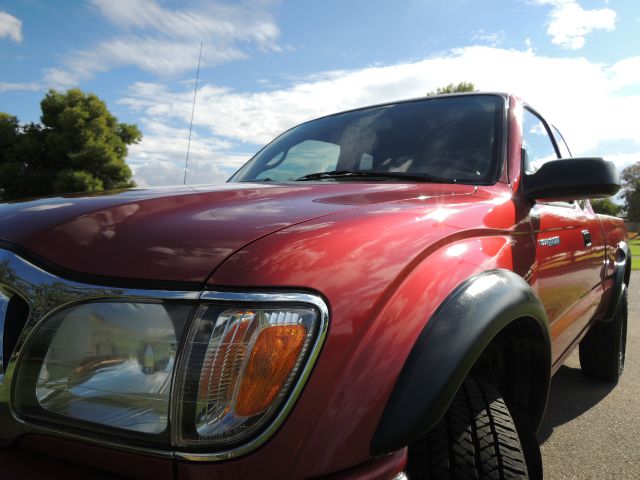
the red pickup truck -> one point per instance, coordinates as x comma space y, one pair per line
381, 293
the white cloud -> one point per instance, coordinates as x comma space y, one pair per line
160, 158
246, 21
626, 72
10, 27
582, 98
167, 172
166, 41
156, 56
55, 77
569, 23
623, 160
492, 39
12, 87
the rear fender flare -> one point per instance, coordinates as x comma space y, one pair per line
449, 346
620, 281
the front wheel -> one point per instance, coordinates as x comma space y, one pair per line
476, 439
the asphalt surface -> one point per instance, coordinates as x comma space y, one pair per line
592, 429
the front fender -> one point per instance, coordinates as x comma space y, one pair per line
449, 346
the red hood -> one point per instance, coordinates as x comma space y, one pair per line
180, 234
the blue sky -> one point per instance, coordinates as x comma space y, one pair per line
268, 65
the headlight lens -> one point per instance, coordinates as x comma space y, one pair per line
105, 363
125, 369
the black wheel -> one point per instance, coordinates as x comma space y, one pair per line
477, 439
602, 350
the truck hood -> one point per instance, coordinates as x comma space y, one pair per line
180, 234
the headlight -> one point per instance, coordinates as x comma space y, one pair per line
106, 363
125, 369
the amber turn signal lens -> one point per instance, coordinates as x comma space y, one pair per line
240, 367
274, 356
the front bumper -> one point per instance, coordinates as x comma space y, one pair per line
38, 457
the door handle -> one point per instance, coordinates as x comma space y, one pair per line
586, 237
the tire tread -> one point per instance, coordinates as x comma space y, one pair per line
599, 349
476, 439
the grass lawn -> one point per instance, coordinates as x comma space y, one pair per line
635, 253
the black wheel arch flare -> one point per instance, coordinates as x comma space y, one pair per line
621, 278
449, 346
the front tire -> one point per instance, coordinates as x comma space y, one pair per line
602, 350
476, 439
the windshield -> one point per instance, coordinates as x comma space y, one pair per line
454, 139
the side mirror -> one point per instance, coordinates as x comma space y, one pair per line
572, 179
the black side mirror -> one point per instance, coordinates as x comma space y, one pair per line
572, 179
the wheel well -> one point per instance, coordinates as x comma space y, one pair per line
493, 316
623, 255
515, 362
627, 271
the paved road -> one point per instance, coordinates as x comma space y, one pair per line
592, 429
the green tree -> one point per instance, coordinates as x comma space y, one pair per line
79, 147
631, 183
606, 206
452, 88
9, 132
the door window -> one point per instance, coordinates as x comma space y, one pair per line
562, 145
536, 143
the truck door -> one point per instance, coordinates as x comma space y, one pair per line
569, 246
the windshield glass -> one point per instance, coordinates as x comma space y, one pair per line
454, 139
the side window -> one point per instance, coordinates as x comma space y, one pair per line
310, 156
562, 145
536, 142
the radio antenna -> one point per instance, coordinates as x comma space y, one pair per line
193, 109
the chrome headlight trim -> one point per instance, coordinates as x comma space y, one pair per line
46, 294
275, 423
